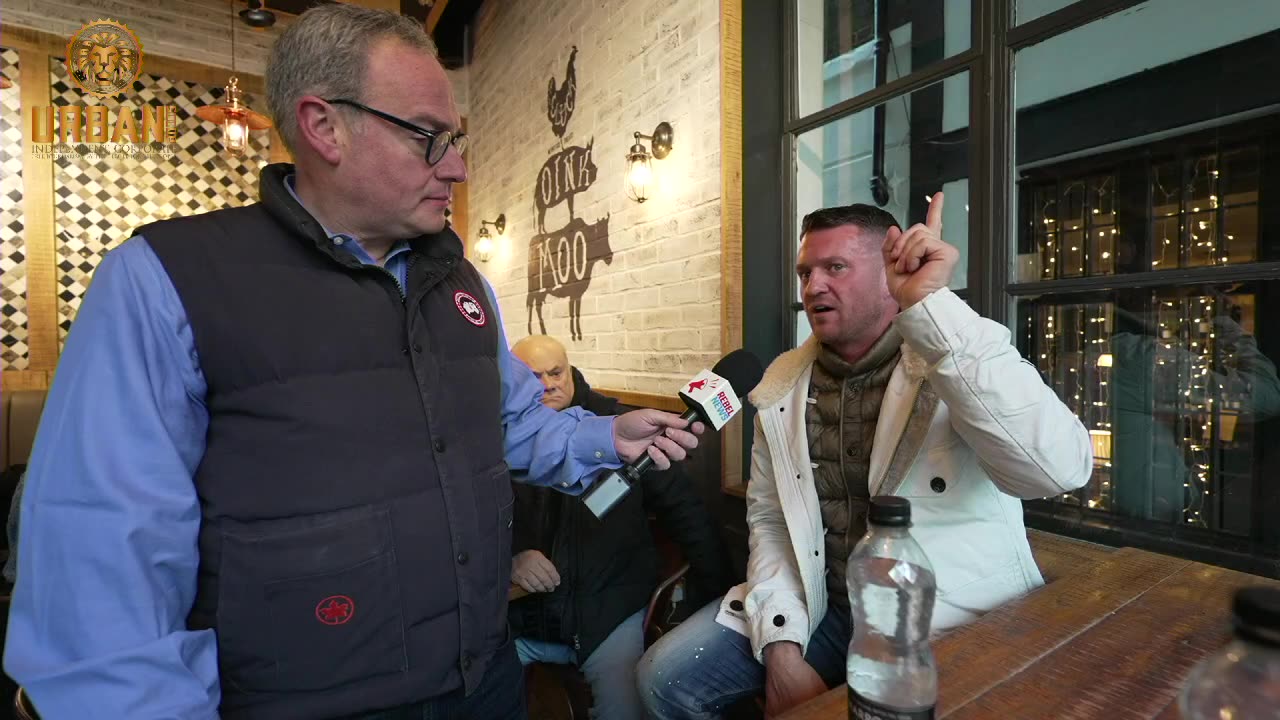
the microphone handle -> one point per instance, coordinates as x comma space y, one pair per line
639, 467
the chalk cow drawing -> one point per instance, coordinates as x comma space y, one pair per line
561, 261
560, 265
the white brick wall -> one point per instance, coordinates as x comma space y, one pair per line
651, 318
195, 30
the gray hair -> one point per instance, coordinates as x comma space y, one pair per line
325, 52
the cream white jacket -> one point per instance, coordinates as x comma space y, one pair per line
966, 428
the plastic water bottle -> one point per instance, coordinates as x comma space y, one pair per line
890, 670
1241, 681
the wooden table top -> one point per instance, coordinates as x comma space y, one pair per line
1115, 639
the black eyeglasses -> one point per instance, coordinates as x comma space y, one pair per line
440, 139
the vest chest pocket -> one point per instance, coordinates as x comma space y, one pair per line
310, 603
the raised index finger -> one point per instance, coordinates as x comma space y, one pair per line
933, 220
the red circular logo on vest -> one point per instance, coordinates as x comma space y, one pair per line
469, 307
335, 610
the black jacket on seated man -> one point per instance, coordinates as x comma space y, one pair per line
609, 568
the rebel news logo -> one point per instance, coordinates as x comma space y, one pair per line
724, 406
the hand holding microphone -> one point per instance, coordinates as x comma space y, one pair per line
654, 437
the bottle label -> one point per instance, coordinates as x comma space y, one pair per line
861, 708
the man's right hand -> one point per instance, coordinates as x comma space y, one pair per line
532, 571
789, 680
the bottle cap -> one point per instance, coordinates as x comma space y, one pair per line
890, 510
1256, 614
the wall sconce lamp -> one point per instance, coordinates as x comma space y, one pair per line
639, 171
484, 243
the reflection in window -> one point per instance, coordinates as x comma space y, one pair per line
1205, 210
1201, 211
1073, 229
1171, 385
847, 47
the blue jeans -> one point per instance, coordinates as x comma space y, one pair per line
702, 667
611, 669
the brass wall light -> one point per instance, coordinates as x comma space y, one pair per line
484, 243
639, 169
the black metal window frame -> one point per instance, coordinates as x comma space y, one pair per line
993, 41
993, 288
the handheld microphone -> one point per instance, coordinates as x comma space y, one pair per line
713, 397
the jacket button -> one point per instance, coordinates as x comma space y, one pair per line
850, 452
417, 348
735, 605
938, 484
779, 621
463, 557
439, 445
404, 350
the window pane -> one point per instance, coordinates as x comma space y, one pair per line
1080, 211
911, 147
1024, 10
838, 56
1110, 142
1146, 131
1174, 390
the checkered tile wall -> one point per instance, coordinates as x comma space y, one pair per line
100, 201
13, 266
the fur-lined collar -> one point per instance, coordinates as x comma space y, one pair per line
785, 371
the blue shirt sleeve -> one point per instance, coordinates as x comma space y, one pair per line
107, 550
561, 449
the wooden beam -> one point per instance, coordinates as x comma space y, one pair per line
15, 380
732, 476
388, 5
173, 68
39, 227
644, 400
433, 17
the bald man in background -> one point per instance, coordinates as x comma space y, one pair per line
590, 581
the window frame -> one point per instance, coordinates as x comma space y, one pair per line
993, 287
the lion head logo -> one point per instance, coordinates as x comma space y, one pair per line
104, 58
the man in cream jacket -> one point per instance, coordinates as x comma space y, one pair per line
902, 390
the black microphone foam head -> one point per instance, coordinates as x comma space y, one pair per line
742, 369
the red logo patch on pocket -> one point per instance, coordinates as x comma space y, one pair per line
470, 308
335, 610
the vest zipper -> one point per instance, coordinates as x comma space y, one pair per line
844, 477
394, 280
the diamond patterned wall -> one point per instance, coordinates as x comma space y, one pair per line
13, 266
102, 200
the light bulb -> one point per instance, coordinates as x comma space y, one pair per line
484, 248
236, 134
640, 173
